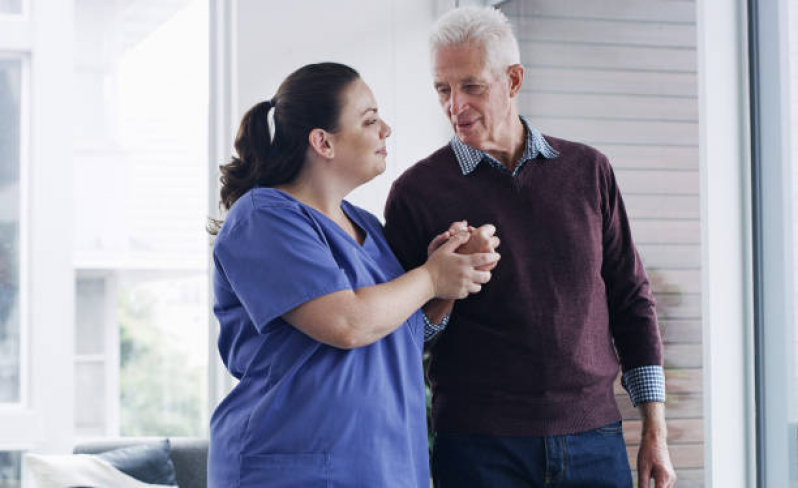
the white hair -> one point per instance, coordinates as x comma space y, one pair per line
486, 27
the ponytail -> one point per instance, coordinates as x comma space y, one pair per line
310, 98
253, 144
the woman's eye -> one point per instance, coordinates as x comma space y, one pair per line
371, 121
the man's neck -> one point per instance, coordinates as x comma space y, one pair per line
515, 143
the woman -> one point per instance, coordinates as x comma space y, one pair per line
318, 320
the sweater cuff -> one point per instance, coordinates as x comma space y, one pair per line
430, 329
645, 384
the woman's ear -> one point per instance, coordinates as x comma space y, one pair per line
321, 144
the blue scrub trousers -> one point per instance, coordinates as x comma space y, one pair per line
595, 459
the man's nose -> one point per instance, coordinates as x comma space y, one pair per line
458, 103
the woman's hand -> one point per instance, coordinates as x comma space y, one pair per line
455, 275
444, 236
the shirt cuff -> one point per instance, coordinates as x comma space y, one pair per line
430, 329
645, 384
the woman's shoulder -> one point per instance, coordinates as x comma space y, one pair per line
259, 203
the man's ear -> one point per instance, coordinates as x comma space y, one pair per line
515, 77
319, 141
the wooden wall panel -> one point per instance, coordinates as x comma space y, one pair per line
620, 75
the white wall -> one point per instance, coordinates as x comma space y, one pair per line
385, 40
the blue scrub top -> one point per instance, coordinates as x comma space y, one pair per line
305, 414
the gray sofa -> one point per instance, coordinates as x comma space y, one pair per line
189, 455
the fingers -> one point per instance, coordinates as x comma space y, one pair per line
437, 241
481, 277
458, 226
487, 230
483, 258
643, 475
454, 242
494, 242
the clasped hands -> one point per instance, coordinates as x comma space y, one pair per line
481, 239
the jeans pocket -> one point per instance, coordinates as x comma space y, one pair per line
286, 470
614, 428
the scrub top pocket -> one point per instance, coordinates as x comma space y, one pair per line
286, 471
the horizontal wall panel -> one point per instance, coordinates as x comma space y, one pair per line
600, 107
611, 131
682, 456
682, 355
568, 30
680, 331
671, 11
651, 157
678, 305
675, 256
657, 182
632, 83
674, 281
680, 431
655, 206
597, 56
666, 231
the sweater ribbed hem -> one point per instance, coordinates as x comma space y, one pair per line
454, 414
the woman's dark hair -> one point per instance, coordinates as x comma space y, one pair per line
310, 98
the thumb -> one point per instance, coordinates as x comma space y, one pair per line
454, 242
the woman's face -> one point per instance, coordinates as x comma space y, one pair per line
359, 143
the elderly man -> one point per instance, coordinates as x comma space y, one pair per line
523, 375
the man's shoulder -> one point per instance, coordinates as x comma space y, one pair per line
574, 150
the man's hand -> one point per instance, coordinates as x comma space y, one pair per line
482, 240
653, 459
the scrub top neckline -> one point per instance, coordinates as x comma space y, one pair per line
345, 209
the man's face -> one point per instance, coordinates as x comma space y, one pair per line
475, 98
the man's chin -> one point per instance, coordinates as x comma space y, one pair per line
470, 140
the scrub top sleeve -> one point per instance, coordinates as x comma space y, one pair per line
276, 260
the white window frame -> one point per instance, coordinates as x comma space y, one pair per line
726, 238
43, 419
773, 193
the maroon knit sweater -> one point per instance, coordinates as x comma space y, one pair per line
534, 353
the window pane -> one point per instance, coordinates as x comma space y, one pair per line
10, 469
10, 6
141, 270
621, 77
90, 396
163, 353
10, 96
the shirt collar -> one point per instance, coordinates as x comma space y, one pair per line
468, 158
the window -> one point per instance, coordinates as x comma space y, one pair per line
10, 210
10, 469
10, 6
140, 207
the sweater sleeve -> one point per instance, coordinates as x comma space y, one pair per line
403, 229
633, 319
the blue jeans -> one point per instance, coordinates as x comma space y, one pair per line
594, 459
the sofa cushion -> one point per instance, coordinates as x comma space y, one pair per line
189, 455
79, 470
